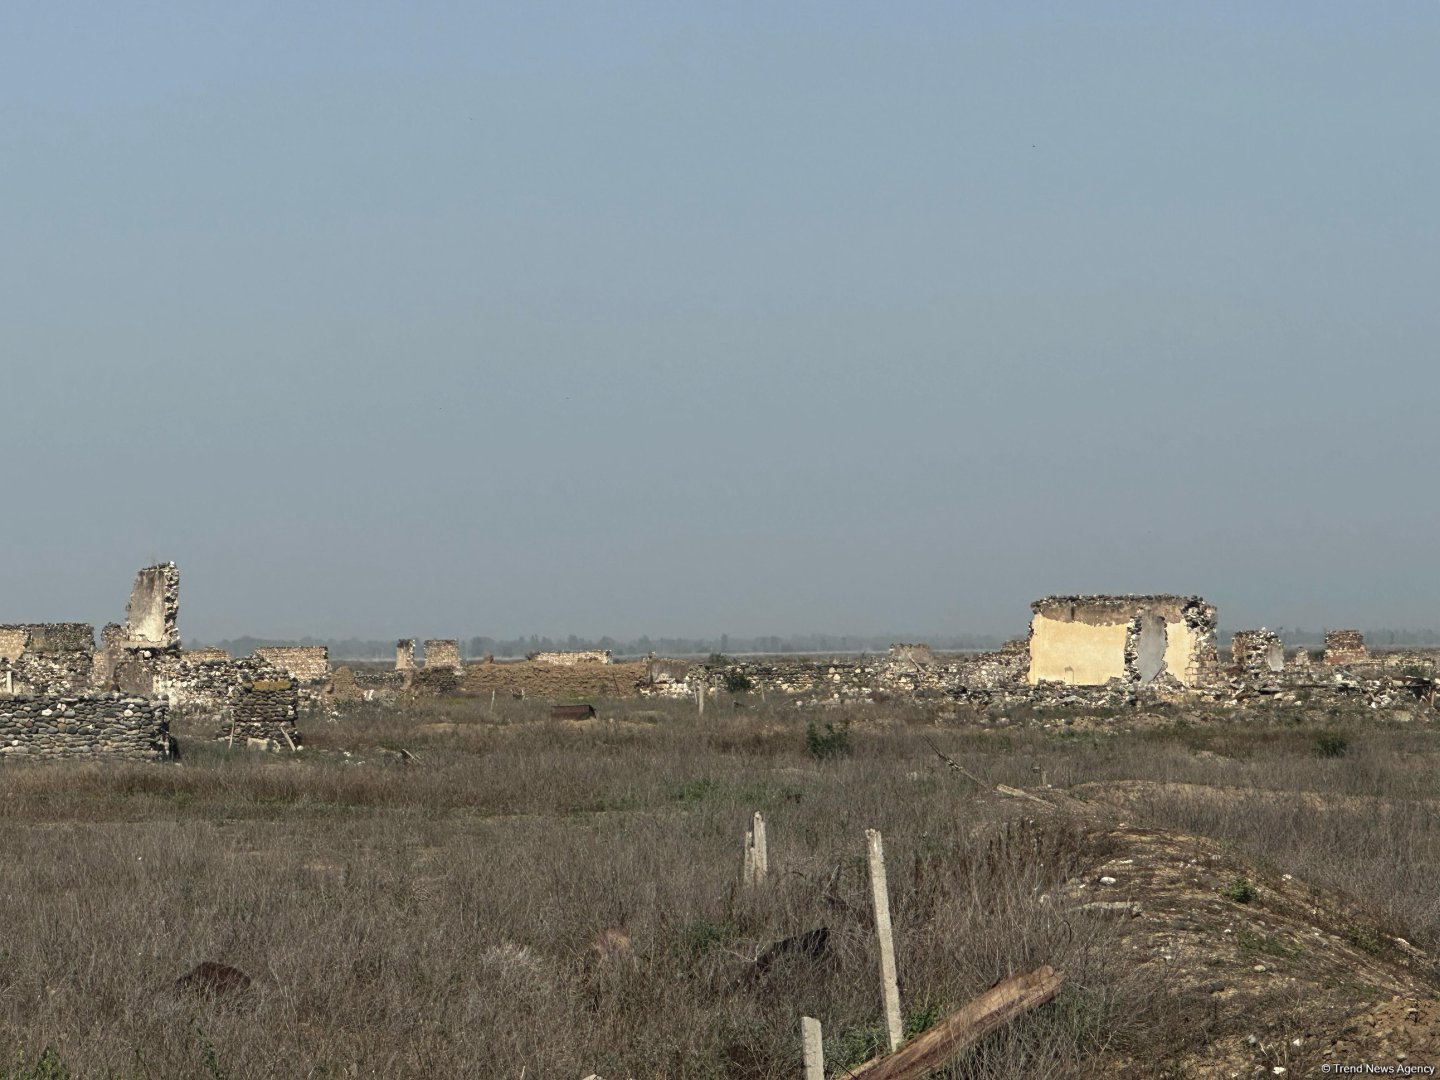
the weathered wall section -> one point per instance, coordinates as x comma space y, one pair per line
1089, 640
1345, 647
1257, 652
83, 726
570, 659
306, 663
443, 653
154, 608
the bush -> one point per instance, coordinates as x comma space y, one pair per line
1329, 744
1242, 890
737, 682
832, 742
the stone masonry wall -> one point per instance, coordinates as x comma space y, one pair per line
263, 710
306, 663
154, 607
84, 726
1257, 652
443, 653
1345, 647
569, 659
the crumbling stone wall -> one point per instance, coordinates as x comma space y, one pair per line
1089, 640
12, 641
84, 726
917, 655
201, 655
662, 674
152, 613
18, 638
1006, 668
305, 663
263, 710
567, 659
1257, 653
443, 653
1345, 647
405, 654
47, 658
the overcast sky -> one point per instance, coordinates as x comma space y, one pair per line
422, 319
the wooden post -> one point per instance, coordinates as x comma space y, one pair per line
700, 697
814, 1048
880, 894
757, 855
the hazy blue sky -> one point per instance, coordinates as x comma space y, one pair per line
448, 319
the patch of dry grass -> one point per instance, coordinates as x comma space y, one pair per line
435, 919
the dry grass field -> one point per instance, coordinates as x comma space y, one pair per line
444, 913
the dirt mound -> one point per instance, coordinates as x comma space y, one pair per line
1274, 974
554, 681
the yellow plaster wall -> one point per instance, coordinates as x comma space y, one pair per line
1094, 654
1178, 651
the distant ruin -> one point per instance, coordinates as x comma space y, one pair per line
62, 696
1256, 652
1345, 647
443, 653
305, 663
1090, 640
570, 659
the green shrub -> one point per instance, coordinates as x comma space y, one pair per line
1330, 744
737, 682
1242, 890
832, 742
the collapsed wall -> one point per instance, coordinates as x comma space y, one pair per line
1257, 652
1089, 640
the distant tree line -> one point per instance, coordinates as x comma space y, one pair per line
510, 648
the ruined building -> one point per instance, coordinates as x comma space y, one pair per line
1257, 652
1089, 640
1345, 647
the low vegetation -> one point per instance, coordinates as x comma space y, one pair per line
521, 897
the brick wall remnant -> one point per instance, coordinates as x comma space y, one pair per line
154, 607
1257, 653
1089, 640
83, 726
1302, 660
568, 659
1345, 647
405, 654
202, 655
305, 663
443, 653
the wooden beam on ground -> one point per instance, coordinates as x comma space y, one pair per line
933, 1049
